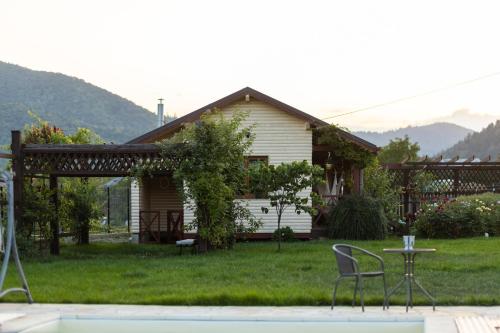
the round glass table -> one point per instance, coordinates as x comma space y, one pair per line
409, 280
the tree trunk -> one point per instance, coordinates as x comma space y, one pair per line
84, 234
203, 245
279, 232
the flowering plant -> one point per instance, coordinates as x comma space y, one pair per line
465, 216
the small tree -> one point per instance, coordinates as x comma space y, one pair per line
208, 162
38, 205
283, 183
398, 150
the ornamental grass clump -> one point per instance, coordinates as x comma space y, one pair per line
357, 217
465, 216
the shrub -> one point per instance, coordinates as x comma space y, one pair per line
80, 207
33, 231
287, 234
465, 216
357, 217
379, 184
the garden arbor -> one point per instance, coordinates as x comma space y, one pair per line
76, 160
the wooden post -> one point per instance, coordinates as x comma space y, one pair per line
109, 212
3, 202
54, 224
456, 182
406, 194
128, 206
18, 169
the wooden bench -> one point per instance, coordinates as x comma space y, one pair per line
190, 242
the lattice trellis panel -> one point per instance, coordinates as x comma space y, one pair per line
451, 179
448, 181
91, 160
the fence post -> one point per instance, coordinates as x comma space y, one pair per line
456, 182
108, 210
54, 224
17, 168
406, 194
129, 188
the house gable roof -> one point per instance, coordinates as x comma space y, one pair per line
173, 126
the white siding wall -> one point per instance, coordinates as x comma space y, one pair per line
283, 138
134, 207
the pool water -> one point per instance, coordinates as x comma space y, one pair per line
220, 326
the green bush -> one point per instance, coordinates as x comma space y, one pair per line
379, 184
33, 231
80, 208
465, 216
357, 217
287, 234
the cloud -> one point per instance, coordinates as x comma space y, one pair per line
467, 118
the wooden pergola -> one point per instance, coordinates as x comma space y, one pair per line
76, 160
451, 178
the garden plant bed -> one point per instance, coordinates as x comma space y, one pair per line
461, 272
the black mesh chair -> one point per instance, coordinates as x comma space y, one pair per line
349, 268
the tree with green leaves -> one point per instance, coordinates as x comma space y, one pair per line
207, 159
41, 132
38, 211
282, 185
79, 206
399, 150
38, 208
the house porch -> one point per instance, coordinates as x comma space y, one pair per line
159, 217
341, 178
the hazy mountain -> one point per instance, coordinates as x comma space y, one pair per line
67, 102
480, 144
432, 138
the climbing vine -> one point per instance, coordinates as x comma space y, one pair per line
344, 149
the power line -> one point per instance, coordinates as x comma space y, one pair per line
487, 76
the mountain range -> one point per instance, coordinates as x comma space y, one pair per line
432, 138
480, 144
67, 102
70, 102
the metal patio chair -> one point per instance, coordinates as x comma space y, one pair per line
349, 268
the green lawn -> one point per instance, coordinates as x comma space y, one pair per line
461, 272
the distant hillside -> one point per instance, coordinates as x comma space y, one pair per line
69, 103
481, 144
432, 138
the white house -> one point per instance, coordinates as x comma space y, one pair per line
282, 134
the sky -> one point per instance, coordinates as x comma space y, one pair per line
323, 57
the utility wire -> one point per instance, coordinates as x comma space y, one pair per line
487, 76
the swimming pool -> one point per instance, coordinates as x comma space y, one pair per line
71, 325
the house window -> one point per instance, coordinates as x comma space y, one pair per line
249, 161
252, 160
